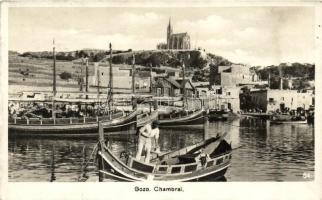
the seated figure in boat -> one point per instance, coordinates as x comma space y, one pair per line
148, 135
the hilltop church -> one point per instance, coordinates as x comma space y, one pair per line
175, 40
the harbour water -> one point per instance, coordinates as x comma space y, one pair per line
262, 152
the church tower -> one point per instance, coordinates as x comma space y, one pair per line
169, 33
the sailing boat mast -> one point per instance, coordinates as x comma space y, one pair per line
133, 74
54, 80
111, 81
184, 84
98, 83
86, 78
151, 82
184, 79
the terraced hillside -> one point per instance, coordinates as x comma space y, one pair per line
32, 72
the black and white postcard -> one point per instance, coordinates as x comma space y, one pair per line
195, 100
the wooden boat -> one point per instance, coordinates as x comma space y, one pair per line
288, 122
217, 115
146, 117
191, 118
206, 160
287, 119
257, 115
74, 127
71, 127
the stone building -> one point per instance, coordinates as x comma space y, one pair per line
121, 78
175, 40
271, 100
234, 75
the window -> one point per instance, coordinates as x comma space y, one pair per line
271, 99
282, 98
228, 93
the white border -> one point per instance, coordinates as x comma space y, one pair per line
115, 190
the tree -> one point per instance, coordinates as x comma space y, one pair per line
65, 75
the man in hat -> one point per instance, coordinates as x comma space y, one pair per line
147, 133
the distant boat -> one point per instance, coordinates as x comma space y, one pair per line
287, 119
188, 118
217, 115
206, 160
288, 122
257, 115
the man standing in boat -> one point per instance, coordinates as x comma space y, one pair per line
148, 134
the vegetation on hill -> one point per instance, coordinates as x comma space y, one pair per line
194, 60
94, 55
65, 75
301, 75
190, 58
37, 66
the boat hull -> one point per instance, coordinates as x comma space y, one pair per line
194, 119
257, 115
117, 125
109, 171
187, 167
288, 122
147, 117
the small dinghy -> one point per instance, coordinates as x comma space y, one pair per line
207, 160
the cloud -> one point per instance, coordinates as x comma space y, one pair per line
207, 27
258, 35
247, 33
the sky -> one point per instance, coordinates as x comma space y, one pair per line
249, 35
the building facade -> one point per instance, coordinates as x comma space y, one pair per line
175, 40
234, 75
170, 87
121, 78
273, 100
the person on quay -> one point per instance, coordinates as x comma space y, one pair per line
148, 134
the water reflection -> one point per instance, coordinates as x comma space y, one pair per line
52, 168
263, 152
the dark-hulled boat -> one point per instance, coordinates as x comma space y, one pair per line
287, 119
257, 115
71, 127
190, 118
207, 160
218, 115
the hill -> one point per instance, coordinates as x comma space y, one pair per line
300, 74
194, 60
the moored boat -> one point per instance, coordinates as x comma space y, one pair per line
146, 117
287, 119
74, 126
71, 127
257, 115
189, 118
288, 122
202, 161
217, 115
